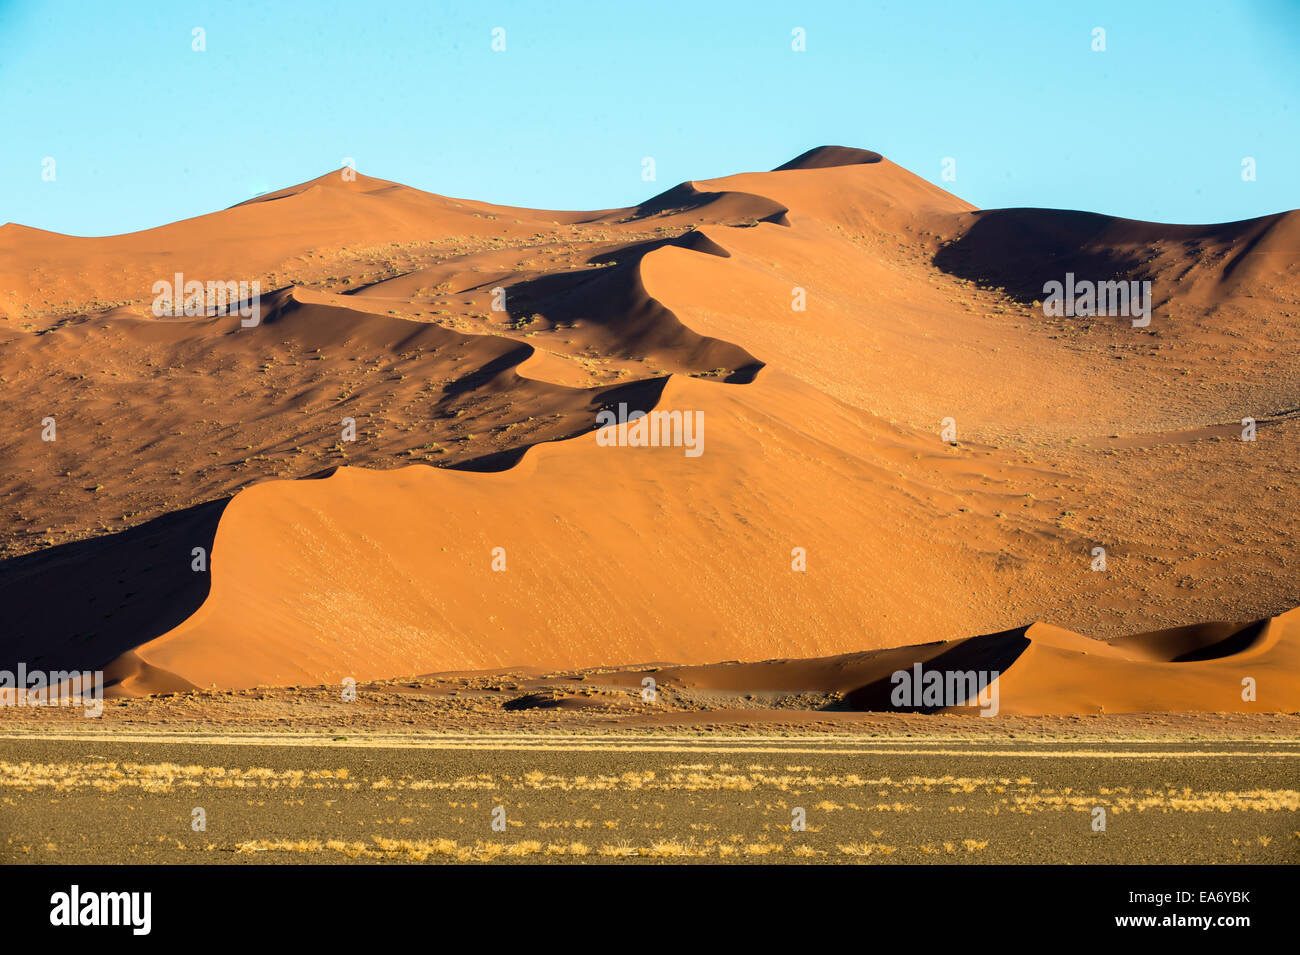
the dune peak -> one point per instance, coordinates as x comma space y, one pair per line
345, 177
822, 157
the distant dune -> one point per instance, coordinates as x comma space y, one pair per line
824, 321
1046, 670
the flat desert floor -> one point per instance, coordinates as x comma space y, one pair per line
873, 788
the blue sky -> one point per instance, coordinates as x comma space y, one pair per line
144, 130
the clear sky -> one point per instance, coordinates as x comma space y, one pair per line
144, 130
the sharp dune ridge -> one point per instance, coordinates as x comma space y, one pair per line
477, 429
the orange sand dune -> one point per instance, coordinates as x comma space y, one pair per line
662, 556
899, 447
260, 239
1046, 670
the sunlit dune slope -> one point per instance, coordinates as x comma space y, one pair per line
611, 553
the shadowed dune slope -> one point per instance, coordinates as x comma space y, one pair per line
822, 156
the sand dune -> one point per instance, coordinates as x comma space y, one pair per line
1046, 670
631, 567
822, 319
